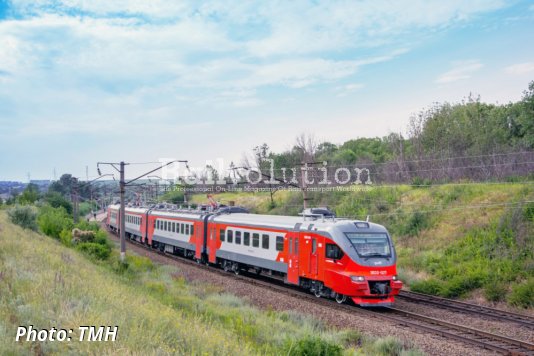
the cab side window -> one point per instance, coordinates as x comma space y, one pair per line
333, 251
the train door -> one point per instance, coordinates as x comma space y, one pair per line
293, 258
313, 257
212, 242
308, 255
198, 234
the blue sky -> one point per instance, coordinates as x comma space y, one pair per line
88, 81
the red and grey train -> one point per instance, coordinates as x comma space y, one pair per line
331, 257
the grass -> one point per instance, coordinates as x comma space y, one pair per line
451, 239
46, 284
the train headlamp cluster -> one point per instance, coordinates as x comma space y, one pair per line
357, 278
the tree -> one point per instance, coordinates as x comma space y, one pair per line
57, 200
30, 194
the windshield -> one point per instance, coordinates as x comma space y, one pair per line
370, 245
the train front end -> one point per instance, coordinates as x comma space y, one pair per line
367, 270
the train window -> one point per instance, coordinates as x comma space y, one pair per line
333, 251
238, 237
290, 246
230, 236
296, 246
265, 241
173, 227
182, 228
165, 225
255, 240
246, 238
314, 245
157, 224
279, 243
221, 235
187, 229
192, 229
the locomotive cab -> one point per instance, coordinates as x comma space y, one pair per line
364, 268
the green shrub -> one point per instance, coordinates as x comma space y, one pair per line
417, 222
65, 236
528, 211
522, 294
139, 263
94, 250
429, 286
101, 237
459, 285
88, 226
495, 291
388, 346
54, 220
56, 200
312, 346
24, 216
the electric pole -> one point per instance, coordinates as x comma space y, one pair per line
122, 186
75, 200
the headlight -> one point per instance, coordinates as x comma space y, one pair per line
357, 278
395, 278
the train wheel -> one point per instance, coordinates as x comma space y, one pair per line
235, 268
317, 292
340, 298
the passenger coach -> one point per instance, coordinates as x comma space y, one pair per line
331, 257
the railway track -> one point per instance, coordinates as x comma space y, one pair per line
470, 336
455, 305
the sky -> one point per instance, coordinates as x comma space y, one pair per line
136, 80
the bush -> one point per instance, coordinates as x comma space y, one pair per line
495, 291
430, 286
54, 220
56, 200
312, 346
417, 222
101, 237
24, 216
139, 263
65, 236
459, 285
388, 346
522, 295
94, 250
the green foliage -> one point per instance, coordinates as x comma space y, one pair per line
415, 223
430, 286
174, 196
30, 194
65, 236
86, 208
94, 250
522, 294
54, 220
24, 216
56, 200
388, 346
312, 346
495, 291
529, 211
419, 182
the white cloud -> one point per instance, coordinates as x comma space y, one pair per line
520, 68
460, 70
